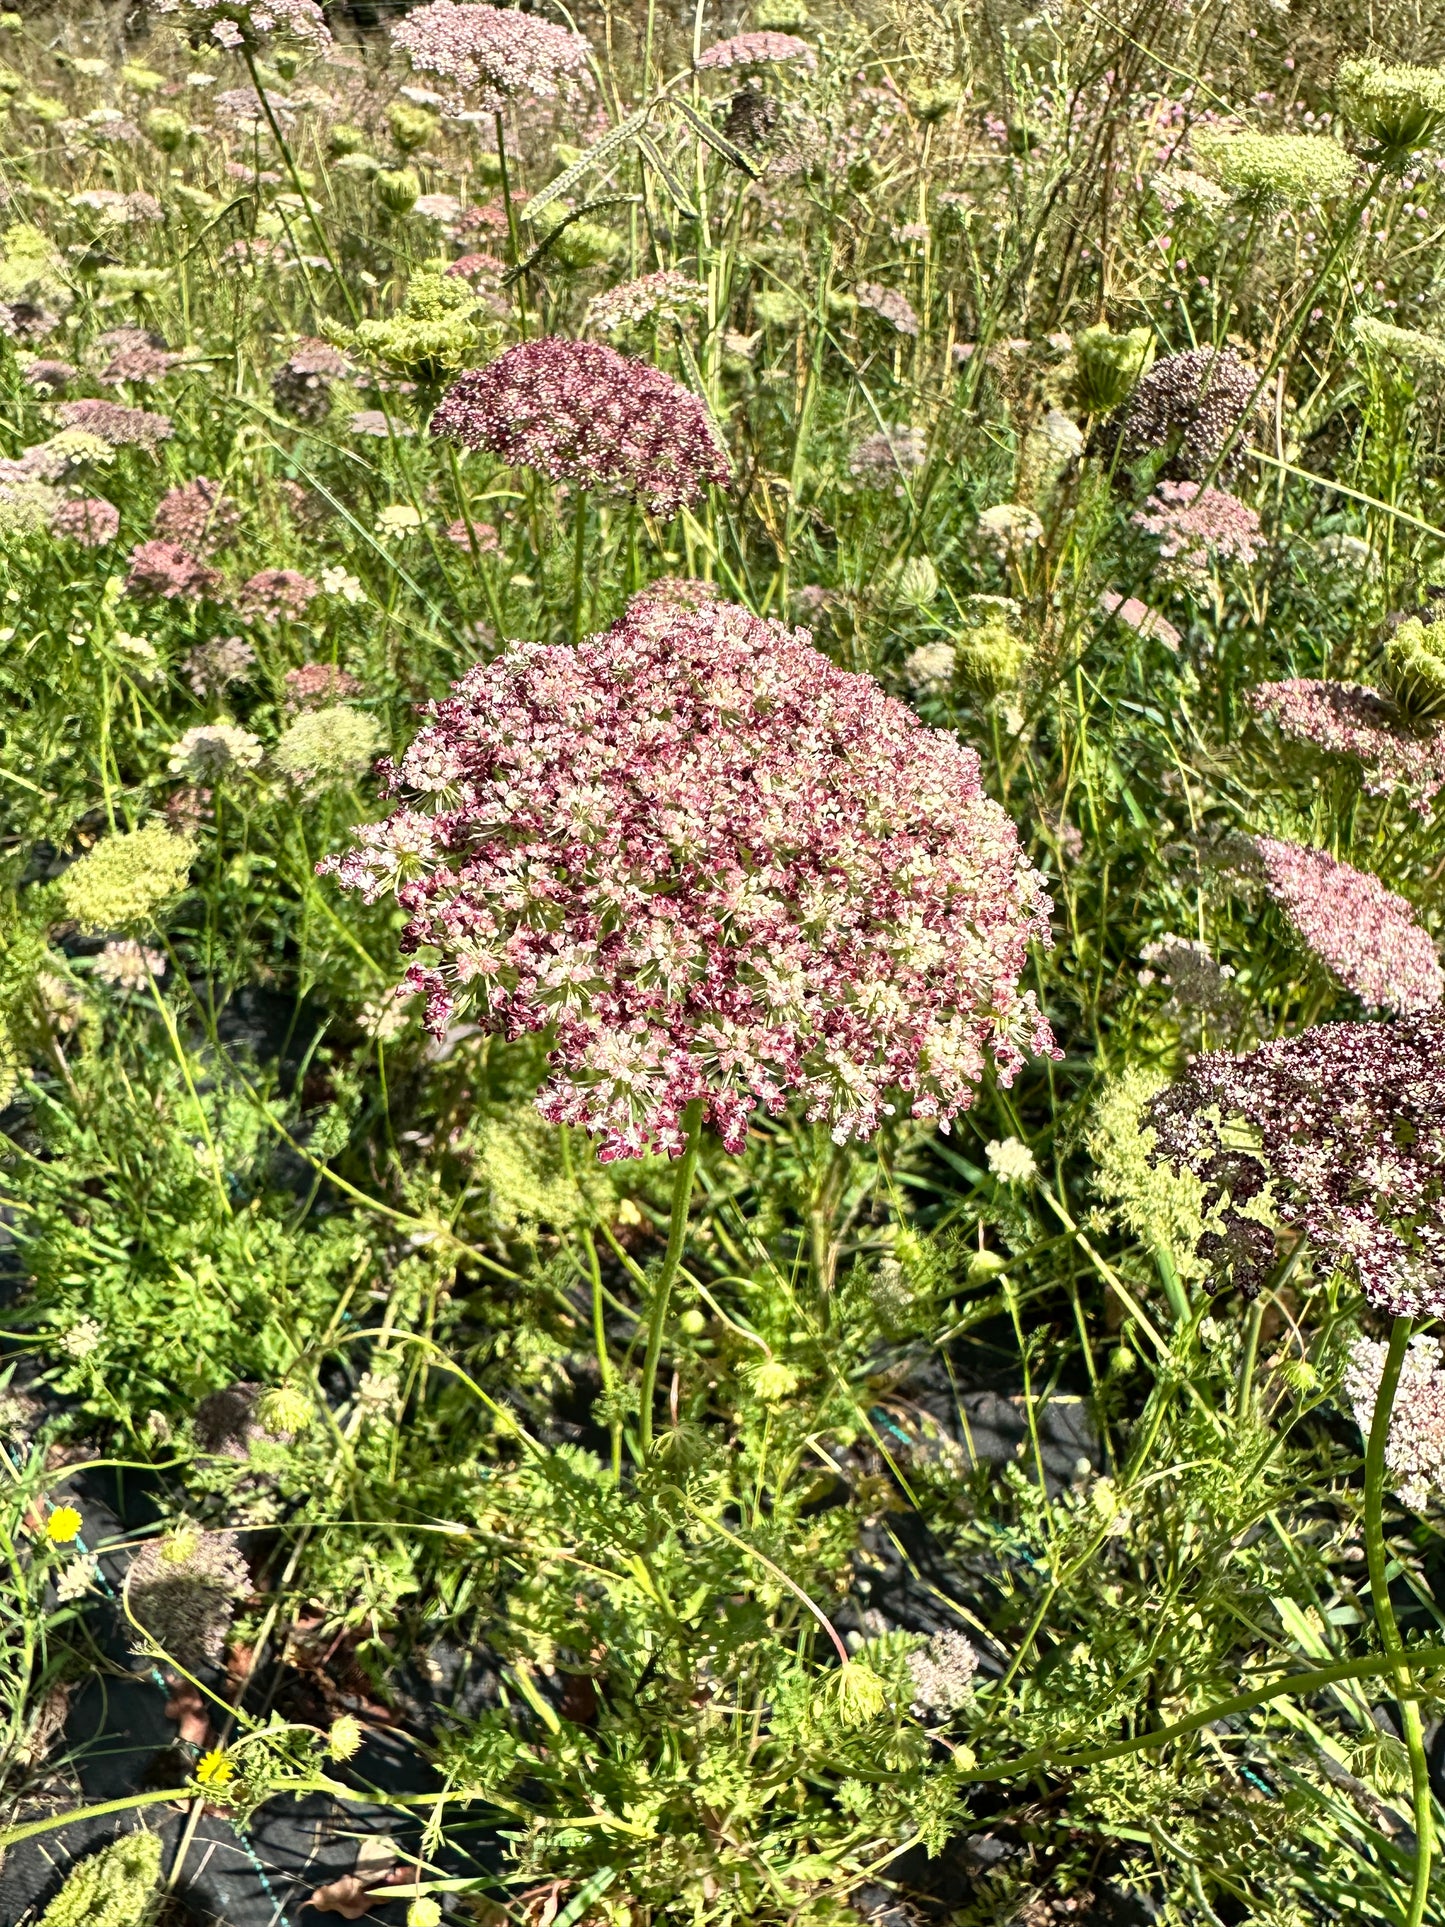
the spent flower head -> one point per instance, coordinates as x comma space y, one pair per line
580, 412
115, 424
197, 516
1189, 407
255, 25
668, 295
714, 867
89, 520
181, 1591
276, 595
128, 965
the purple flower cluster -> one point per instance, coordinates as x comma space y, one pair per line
122, 427
757, 50
1347, 1129
484, 56
717, 867
91, 521
580, 412
889, 305
1346, 719
1198, 527
276, 595
253, 23
197, 516
1190, 404
1139, 617
48, 376
166, 569
1357, 928
135, 355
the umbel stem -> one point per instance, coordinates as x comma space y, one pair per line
1385, 1618
672, 1258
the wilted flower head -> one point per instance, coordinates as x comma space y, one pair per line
1399, 106
181, 1591
213, 666
1198, 983
757, 50
1275, 167
889, 305
116, 424
47, 375
1345, 1123
301, 386
1415, 1442
1198, 527
316, 683
881, 459
253, 24
1139, 617
129, 965
1010, 527
1050, 447
1347, 719
125, 879
942, 1673
276, 595
482, 56
669, 295
134, 354
1358, 929
580, 412
90, 520
211, 750
166, 569
197, 516
329, 746
1190, 406
762, 877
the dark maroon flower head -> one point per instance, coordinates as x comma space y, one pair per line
582, 413
1345, 1125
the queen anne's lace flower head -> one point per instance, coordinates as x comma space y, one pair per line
1199, 527
580, 412
717, 867
276, 595
483, 56
1415, 1442
1338, 1132
1190, 406
91, 521
166, 569
1275, 167
211, 750
757, 50
1346, 719
116, 424
196, 515
1361, 931
889, 305
668, 295
254, 23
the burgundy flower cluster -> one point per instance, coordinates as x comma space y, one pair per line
134, 354
122, 427
1358, 929
1345, 1124
580, 412
718, 868
484, 56
1346, 719
1190, 404
301, 386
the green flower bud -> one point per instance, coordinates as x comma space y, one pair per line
411, 127
397, 189
345, 139
166, 130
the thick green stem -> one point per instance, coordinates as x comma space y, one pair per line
1244, 1390
672, 1258
1390, 1639
512, 235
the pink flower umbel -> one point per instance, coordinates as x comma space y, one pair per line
484, 56
1198, 527
91, 521
1357, 928
580, 412
717, 867
122, 427
1415, 1444
197, 516
757, 50
166, 569
1346, 1124
276, 595
1346, 719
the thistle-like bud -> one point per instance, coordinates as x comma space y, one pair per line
1415, 667
862, 1696
165, 129
397, 189
343, 1741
